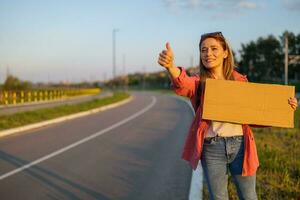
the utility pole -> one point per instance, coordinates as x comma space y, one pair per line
124, 73
288, 59
7, 72
124, 62
104, 77
114, 31
143, 77
192, 61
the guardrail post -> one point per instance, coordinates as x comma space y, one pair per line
22, 96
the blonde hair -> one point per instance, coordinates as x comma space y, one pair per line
228, 64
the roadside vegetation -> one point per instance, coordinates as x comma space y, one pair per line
29, 117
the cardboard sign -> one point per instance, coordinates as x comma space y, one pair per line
248, 103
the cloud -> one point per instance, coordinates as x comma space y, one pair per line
247, 5
191, 4
217, 9
210, 5
293, 5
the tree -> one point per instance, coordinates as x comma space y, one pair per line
13, 83
271, 58
262, 60
249, 59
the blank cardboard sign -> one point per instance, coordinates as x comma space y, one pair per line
248, 103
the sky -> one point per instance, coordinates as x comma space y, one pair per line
71, 40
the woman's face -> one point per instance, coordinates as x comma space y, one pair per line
212, 53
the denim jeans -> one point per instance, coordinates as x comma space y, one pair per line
221, 155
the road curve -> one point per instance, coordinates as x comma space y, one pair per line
139, 158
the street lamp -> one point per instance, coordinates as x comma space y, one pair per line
114, 51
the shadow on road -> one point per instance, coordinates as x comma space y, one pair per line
45, 176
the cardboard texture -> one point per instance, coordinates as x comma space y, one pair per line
248, 103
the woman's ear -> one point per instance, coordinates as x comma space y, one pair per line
225, 54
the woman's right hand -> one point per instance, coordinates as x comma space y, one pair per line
166, 57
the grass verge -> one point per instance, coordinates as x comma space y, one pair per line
29, 117
278, 176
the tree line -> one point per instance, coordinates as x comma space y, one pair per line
12, 82
263, 60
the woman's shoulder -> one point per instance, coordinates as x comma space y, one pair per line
190, 73
238, 76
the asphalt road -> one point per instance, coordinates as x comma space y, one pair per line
138, 158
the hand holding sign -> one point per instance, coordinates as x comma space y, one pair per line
293, 102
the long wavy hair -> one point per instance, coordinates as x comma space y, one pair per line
228, 63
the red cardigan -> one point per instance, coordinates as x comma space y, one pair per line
185, 85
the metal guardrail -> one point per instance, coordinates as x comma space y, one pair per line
29, 96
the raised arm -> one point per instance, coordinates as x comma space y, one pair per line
182, 84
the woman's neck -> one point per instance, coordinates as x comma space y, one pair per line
218, 73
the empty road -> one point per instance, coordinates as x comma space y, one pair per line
127, 153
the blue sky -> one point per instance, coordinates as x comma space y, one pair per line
57, 40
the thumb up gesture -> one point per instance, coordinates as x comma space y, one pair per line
166, 57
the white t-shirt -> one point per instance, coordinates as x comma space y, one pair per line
224, 129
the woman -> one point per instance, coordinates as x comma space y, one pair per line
222, 147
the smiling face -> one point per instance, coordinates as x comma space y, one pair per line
212, 53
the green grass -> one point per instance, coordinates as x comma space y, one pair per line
278, 176
29, 117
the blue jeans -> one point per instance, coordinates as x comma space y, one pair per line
221, 155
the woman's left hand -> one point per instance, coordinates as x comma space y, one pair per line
293, 102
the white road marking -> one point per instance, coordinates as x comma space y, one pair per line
154, 100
